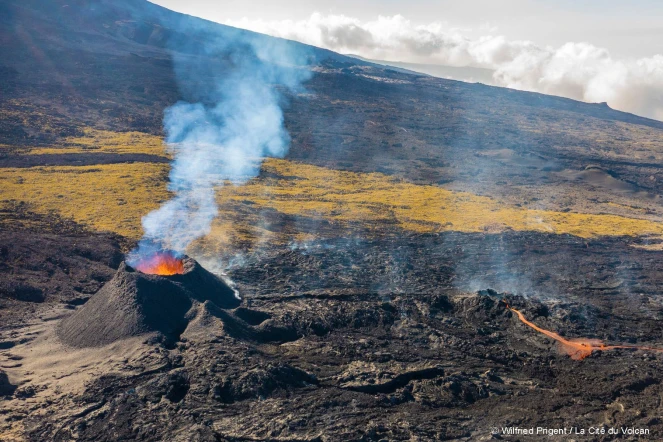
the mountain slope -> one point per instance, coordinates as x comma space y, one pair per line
99, 62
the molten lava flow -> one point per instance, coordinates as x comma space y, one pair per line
577, 349
161, 263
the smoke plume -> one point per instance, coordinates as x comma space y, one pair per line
230, 120
580, 71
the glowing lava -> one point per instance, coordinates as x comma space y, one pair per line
577, 349
161, 263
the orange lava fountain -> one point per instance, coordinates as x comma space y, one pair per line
577, 349
161, 263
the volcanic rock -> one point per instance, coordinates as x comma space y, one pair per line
133, 303
260, 382
173, 386
5, 387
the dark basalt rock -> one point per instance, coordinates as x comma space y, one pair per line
260, 382
172, 386
6, 388
133, 303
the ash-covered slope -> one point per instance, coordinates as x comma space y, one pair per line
134, 303
103, 63
110, 64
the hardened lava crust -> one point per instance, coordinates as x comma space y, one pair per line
331, 359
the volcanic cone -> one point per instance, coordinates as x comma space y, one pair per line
133, 303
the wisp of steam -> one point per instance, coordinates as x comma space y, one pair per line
231, 120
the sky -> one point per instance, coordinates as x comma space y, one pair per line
590, 50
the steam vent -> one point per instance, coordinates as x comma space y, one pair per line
134, 303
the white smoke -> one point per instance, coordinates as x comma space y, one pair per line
222, 136
580, 71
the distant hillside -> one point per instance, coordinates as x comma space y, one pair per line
466, 73
101, 62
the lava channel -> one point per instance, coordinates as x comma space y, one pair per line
577, 349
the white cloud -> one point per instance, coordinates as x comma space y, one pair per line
580, 71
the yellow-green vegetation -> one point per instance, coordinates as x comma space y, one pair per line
104, 197
377, 200
115, 197
95, 140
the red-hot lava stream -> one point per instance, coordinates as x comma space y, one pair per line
577, 349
